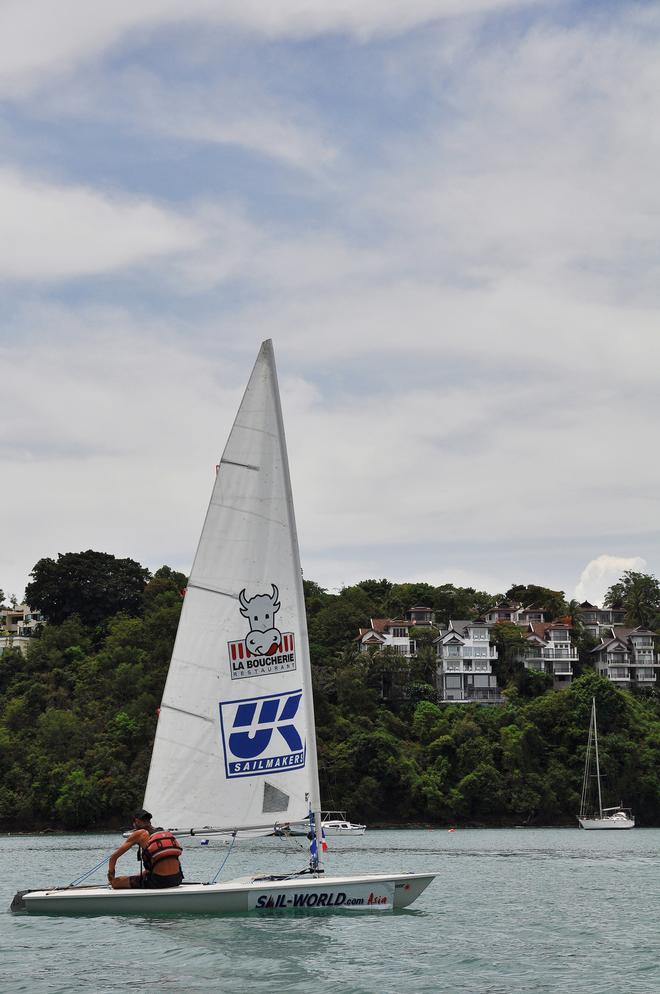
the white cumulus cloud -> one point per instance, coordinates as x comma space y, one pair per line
598, 575
53, 231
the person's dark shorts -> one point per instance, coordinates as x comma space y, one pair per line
154, 881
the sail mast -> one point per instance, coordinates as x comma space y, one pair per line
584, 800
306, 670
593, 714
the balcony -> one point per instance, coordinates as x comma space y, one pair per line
482, 694
467, 652
560, 654
647, 658
472, 696
618, 674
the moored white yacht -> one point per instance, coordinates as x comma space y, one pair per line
593, 815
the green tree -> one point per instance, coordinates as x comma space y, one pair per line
93, 585
510, 646
78, 801
528, 594
639, 595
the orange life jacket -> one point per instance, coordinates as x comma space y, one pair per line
161, 845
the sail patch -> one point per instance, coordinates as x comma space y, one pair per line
260, 735
265, 649
274, 800
243, 664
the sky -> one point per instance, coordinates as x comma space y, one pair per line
446, 215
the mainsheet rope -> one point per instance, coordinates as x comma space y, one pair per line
231, 846
79, 880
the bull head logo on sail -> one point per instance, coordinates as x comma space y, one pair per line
265, 650
263, 639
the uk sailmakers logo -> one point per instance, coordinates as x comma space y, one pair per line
265, 649
261, 735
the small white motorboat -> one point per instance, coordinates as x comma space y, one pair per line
335, 823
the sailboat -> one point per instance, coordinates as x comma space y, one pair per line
594, 816
235, 745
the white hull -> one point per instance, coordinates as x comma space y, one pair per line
607, 824
300, 831
375, 892
334, 833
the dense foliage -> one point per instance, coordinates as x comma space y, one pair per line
78, 714
93, 585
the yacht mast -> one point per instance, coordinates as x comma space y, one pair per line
593, 718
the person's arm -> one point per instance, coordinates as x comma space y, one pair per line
139, 838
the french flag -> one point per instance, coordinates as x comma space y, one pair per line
324, 845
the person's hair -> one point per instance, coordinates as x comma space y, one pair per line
142, 814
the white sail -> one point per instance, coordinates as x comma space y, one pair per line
235, 744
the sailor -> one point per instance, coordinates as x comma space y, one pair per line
159, 852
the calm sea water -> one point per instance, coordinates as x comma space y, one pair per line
511, 912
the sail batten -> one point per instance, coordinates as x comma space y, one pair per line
242, 465
213, 590
236, 729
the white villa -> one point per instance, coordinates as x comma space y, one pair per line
549, 650
464, 663
627, 657
598, 621
394, 633
17, 625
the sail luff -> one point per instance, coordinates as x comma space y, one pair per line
306, 668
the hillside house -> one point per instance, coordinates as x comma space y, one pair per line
17, 626
465, 657
627, 657
549, 650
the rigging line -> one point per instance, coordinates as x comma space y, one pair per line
212, 590
231, 846
241, 465
79, 880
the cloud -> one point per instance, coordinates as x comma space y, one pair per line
599, 575
57, 232
229, 108
38, 40
460, 279
115, 425
539, 160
